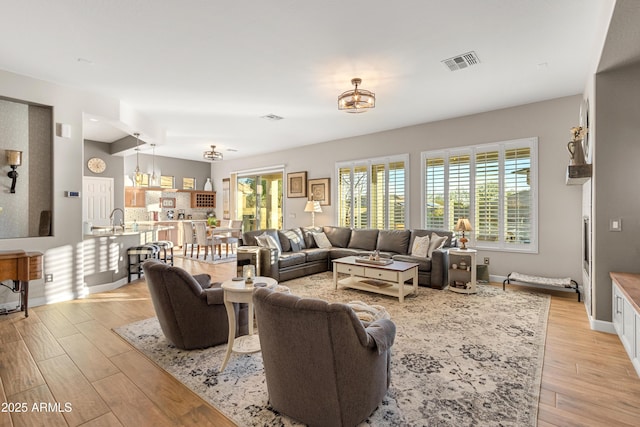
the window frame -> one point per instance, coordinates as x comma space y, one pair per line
368, 163
472, 150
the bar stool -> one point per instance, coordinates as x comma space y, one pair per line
139, 255
165, 245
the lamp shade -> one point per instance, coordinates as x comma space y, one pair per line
14, 158
312, 206
463, 225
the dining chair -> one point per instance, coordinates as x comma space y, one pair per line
233, 237
203, 240
187, 237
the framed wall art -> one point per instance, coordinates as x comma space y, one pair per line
297, 184
188, 183
319, 190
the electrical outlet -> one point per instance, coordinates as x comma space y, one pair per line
486, 260
48, 278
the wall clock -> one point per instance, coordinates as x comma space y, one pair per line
96, 165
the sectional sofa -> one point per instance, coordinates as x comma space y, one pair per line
296, 252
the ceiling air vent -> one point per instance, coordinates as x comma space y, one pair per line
272, 117
462, 61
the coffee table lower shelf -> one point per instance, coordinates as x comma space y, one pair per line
389, 288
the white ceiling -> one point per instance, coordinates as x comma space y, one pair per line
206, 71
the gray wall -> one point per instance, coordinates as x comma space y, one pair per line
615, 180
559, 204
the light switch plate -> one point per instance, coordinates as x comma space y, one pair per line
615, 224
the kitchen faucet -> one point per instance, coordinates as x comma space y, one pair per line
111, 220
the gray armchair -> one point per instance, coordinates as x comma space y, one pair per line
323, 366
190, 309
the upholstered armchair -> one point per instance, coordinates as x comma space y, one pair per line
190, 309
323, 366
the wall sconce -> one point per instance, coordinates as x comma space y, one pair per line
14, 159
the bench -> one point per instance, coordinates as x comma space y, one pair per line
564, 283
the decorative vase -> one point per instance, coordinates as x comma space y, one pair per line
208, 186
576, 152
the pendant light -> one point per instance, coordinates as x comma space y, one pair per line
138, 176
153, 170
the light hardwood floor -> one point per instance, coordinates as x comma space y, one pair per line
66, 353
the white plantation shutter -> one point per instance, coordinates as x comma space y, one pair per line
396, 192
487, 209
434, 203
459, 188
494, 185
360, 197
378, 195
517, 196
372, 193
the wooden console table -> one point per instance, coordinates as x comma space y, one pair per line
21, 267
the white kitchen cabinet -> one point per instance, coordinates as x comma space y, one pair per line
626, 314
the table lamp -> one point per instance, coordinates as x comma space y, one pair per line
463, 225
313, 207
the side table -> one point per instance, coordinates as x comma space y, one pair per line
462, 270
238, 291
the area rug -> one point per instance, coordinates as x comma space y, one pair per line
458, 360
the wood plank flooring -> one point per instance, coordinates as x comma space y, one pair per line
66, 354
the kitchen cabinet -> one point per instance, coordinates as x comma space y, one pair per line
134, 197
626, 313
172, 234
203, 199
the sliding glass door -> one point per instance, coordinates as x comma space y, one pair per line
259, 198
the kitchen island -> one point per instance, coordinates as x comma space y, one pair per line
105, 254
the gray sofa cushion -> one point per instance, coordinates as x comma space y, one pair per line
316, 254
338, 236
424, 264
365, 240
287, 259
396, 241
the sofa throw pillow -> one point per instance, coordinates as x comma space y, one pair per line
266, 241
420, 246
436, 243
322, 240
295, 240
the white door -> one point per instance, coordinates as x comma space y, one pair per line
97, 200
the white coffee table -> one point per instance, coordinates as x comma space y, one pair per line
381, 279
240, 292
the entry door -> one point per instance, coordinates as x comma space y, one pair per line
259, 200
97, 200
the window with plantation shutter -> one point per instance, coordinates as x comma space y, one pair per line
494, 185
372, 193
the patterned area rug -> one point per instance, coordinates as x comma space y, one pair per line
458, 360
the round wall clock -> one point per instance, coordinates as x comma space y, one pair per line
96, 165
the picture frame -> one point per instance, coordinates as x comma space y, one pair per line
319, 190
297, 184
167, 181
188, 183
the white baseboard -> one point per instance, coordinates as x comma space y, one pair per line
602, 326
67, 296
